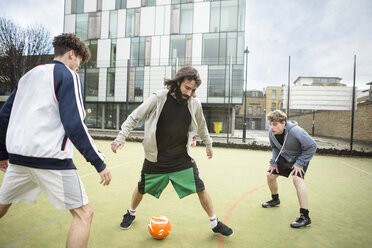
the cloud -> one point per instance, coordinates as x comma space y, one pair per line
28, 12
320, 36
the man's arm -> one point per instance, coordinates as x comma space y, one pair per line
203, 129
131, 122
308, 147
70, 102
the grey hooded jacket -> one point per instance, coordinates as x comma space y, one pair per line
150, 110
297, 147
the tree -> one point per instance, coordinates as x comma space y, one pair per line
20, 50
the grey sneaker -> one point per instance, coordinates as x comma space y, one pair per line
223, 229
271, 203
128, 219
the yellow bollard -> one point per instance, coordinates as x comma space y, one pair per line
217, 127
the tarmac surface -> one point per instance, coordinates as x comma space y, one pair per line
254, 139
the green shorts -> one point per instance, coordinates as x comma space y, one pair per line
185, 182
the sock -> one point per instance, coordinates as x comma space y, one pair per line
213, 221
275, 197
132, 212
304, 212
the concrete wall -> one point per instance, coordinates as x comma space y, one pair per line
337, 124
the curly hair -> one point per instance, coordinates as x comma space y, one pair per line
70, 41
187, 72
276, 116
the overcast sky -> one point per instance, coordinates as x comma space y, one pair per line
321, 36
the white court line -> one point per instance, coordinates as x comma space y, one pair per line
112, 167
356, 168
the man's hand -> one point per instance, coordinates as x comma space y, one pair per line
296, 170
105, 176
4, 165
272, 169
116, 145
209, 153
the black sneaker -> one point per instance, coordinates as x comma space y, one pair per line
127, 221
223, 229
301, 222
271, 203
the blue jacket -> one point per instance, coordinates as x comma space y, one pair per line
297, 147
43, 119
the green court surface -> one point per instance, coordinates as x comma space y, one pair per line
340, 204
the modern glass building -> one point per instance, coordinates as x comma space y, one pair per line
135, 44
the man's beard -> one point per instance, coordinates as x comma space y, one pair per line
179, 96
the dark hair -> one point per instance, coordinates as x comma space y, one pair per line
187, 72
69, 41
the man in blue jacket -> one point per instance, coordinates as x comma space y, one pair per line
40, 123
292, 150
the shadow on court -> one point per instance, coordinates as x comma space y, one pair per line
339, 191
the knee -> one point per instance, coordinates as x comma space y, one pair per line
271, 177
84, 213
297, 181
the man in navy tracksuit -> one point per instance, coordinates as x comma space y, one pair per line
40, 123
293, 148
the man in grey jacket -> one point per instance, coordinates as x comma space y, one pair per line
292, 150
173, 116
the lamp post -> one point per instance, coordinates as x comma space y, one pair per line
246, 51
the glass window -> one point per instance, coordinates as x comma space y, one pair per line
138, 84
250, 110
137, 51
129, 31
145, 3
92, 85
120, 4
94, 25
210, 48
237, 84
177, 49
229, 11
79, 6
92, 62
186, 18
82, 26
273, 106
93, 118
231, 47
216, 84
282, 94
73, 6
222, 59
110, 86
258, 110
113, 24
240, 49
110, 115
113, 53
273, 94
241, 15
214, 22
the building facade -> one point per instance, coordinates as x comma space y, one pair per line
255, 111
135, 44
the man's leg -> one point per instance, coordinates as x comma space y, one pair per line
78, 234
304, 219
130, 215
4, 209
301, 191
136, 199
273, 186
206, 202
217, 226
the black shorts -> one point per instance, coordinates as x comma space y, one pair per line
285, 167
